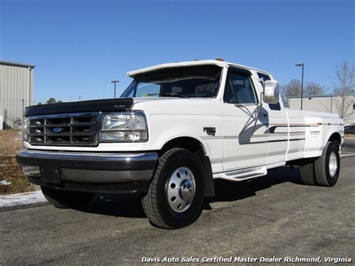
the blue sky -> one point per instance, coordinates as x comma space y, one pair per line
79, 47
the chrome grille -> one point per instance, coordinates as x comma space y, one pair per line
78, 129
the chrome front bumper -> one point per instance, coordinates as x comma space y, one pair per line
63, 169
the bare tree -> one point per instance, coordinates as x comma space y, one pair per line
294, 88
344, 89
313, 89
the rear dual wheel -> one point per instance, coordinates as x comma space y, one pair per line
175, 194
325, 170
327, 167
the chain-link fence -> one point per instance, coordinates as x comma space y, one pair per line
11, 112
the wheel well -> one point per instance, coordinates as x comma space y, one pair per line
190, 144
335, 137
197, 148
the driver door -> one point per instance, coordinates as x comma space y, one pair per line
245, 125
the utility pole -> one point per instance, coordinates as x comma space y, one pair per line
302, 65
114, 82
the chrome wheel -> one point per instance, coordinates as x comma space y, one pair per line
181, 189
327, 166
333, 164
175, 195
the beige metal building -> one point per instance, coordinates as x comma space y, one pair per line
326, 103
16, 92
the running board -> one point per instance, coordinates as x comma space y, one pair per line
242, 174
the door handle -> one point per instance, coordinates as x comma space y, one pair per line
210, 131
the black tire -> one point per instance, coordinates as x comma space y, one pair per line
327, 167
175, 194
307, 172
66, 199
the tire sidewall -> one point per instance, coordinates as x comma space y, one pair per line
180, 158
331, 180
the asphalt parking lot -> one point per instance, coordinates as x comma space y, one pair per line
273, 219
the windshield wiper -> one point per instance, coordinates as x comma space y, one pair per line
173, 94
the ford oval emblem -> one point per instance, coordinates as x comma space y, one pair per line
56, 130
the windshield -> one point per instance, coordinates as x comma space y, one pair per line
196, 81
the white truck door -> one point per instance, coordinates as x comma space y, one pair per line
278, 135
278, 129
245, 128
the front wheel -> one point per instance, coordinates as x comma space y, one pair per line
175, 194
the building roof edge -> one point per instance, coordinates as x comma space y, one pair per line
6, 63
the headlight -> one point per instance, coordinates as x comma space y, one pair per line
126, 127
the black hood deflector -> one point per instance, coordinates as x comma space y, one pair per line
106, 105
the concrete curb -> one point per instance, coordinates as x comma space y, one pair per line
22, 200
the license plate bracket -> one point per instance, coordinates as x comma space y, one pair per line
50, 174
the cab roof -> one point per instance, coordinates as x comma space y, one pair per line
216, 62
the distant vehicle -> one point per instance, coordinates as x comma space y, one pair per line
349, 130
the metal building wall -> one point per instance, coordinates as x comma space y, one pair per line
16, 92
326, 104
314, 103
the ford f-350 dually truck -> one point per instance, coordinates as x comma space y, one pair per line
175, 129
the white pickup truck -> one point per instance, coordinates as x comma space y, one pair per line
175, 129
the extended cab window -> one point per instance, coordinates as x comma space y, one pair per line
193, 81
239, 88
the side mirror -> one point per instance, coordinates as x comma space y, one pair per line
271, 91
